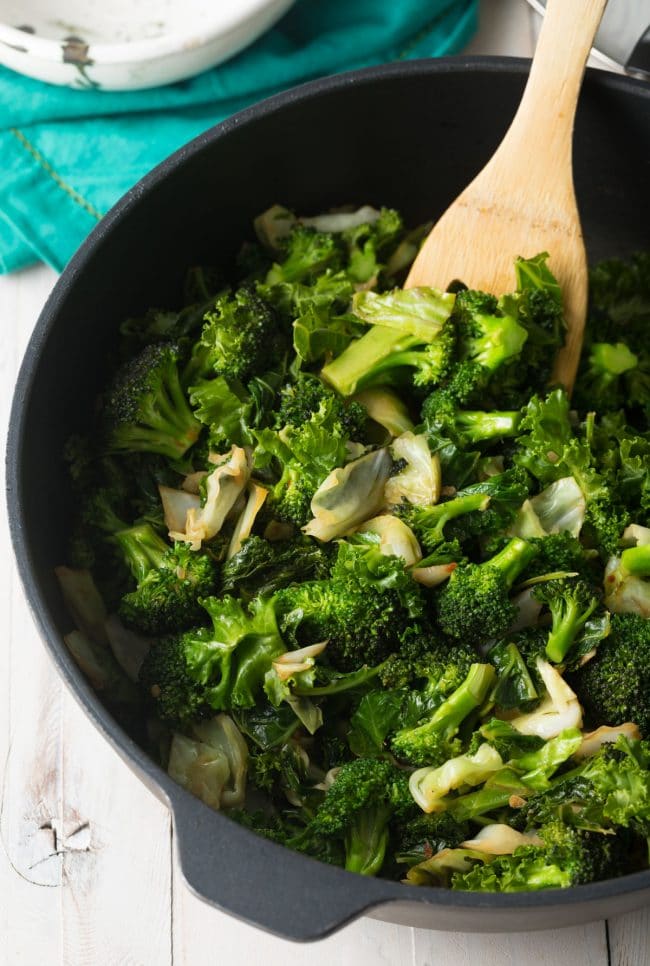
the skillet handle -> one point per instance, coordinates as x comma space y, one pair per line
262, 883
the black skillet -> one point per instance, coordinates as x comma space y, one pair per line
408, 135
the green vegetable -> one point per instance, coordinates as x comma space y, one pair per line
360, 572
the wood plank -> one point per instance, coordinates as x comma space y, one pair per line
578, 945
199, 930
116, 864
29, 706
629, 939
88, 875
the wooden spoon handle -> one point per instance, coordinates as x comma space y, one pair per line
550, 99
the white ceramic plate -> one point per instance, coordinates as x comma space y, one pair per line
127, 44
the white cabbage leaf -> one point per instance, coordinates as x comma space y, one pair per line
348, 496
211, 765
420, 480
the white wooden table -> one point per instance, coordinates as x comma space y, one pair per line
87, 874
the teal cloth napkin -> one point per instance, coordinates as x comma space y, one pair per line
68, 155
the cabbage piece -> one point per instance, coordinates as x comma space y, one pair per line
606, 734
625, 593
348, 496
294, 662
84, 602
129, 649
101, 669
386, 408
223, 487
336, 221
273, 226
256, 497
528, 610
212, 765
435, 574
559, 711
438, 870
428, 786
176, 504
500, 839
526, 524
419, 482
192, 482
419, 311
561, 506
200, 769
636, 536
396, 539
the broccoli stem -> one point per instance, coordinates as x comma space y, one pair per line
515, 557
363, 357
143, 549
635, 562
503, 786
569, 616
340, 683
437, 517
367, 839
478, 426
447, 718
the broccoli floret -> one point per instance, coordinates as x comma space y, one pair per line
213, 668
429, 522
571, 604
465, 382
166, 679
361, 610
614, 686
357, 809
301, 456
428, 662
488, 337
435, 741
567, 857
307, 253
610, 790
301, 399
170, 582
240, 338
561, 553
474, 604
487, 507
146, 409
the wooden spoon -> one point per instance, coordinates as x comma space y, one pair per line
523, 201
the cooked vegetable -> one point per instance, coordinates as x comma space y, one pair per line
347, 557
